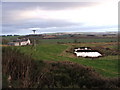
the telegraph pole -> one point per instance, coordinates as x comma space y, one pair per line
34, 43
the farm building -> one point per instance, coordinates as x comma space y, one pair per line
86, 52
20, 42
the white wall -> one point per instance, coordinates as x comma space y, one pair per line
16, 44
25, 42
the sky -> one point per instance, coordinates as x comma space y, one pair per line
52, 17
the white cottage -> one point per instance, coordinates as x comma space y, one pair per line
20, 42
87, 52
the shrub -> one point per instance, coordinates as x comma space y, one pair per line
21, 71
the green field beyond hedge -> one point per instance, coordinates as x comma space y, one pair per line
106, 66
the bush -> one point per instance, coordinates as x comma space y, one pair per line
5, 41
21, 71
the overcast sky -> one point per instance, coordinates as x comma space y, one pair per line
49, 17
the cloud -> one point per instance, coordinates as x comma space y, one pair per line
14, 27
14, 11
58, 17
46, 5
42, 23
75, 28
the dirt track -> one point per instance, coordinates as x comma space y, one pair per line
3, 45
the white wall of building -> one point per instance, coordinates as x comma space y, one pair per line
20, 43
16, 44
25, 42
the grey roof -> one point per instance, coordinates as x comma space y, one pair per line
20, 40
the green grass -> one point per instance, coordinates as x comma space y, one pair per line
78, 40
10, 37
106, 66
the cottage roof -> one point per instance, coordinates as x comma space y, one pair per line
20, 40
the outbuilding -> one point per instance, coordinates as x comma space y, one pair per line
20, 42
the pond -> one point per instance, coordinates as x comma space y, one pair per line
86, 52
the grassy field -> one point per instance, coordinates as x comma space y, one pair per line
106, 66
67, 40
10, 37
78, 40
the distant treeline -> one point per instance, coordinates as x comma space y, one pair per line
9, 35
21, 71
